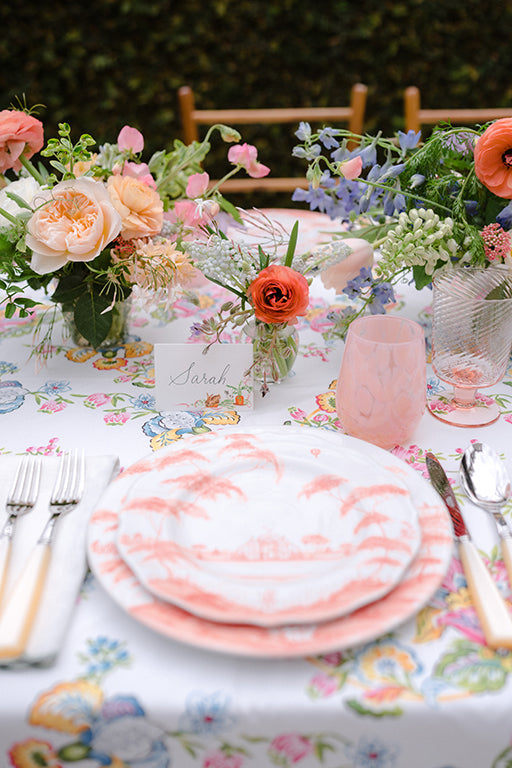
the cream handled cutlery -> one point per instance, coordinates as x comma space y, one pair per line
492, 611
20, 606
486, 482
21, 499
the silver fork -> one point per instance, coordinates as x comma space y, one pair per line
17, 617
21, 499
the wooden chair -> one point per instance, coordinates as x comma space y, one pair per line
191, 118
415, 116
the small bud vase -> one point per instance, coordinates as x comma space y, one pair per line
275, 347
117, 335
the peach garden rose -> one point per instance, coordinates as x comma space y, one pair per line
138, 204
75, 221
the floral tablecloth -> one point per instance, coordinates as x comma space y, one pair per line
428, 695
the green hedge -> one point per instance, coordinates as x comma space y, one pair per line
111, 62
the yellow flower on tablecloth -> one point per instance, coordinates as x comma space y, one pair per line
389, 653
106, 363
68, 707
327, 401
33, 753
457, 600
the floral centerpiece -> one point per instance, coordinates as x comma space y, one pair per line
97, 226
426, 206
271, 291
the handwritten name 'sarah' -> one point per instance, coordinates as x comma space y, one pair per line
189, 376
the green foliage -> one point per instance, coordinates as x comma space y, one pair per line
105, 63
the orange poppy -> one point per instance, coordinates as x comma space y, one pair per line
493, 158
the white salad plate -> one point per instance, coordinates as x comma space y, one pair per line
267, 526
416, 586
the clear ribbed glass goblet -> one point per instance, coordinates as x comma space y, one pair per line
471, 341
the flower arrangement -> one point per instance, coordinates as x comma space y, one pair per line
271, 290
425, 206
99, 225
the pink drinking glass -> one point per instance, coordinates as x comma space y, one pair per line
381, 390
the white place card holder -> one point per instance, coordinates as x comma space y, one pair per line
187, 378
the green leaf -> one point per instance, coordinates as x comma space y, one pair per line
357, 707
292, 244
421, 279
91, 320
73, 752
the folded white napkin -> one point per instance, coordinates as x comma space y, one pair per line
68, 564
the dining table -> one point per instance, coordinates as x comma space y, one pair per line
114, 675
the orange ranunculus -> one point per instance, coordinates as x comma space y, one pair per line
20, 134
279, 294
493, 158
75, 224
140, 206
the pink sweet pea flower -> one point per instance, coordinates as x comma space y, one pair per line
246, 156
191, 213
130, 139
351, 169
139, 171
197, 184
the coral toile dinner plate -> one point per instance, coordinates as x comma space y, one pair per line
415, 587
267, 526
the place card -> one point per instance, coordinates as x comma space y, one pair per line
187, 377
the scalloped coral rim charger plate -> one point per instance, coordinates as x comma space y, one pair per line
267, 526
416, 586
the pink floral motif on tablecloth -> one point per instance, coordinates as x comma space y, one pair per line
97, 400
52, 407
290, 748
116, 419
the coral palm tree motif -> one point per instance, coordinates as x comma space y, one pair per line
243, 446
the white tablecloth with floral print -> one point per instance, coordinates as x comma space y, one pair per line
428, 695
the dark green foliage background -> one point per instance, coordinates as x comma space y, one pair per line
101, 64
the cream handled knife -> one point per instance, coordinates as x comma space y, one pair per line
492, 611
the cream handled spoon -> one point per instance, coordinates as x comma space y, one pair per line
487, 484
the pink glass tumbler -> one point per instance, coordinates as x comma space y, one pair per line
381, 390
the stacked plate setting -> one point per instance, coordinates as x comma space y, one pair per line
278, 541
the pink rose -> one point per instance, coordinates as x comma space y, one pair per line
76, 224
140, 206
20, 134
245, 155
292, 745
130, 139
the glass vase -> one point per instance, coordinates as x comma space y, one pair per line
117, 335
471, 341
275, 349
